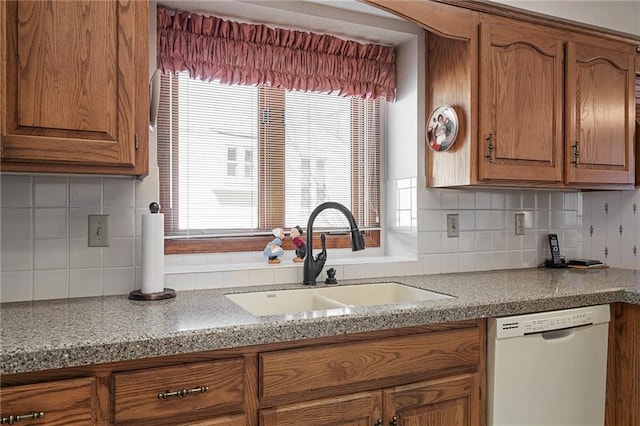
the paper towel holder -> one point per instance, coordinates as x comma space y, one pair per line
166, 293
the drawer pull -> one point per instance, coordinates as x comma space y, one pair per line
394, 421
183, 392
12, 419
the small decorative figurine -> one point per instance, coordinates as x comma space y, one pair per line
301, 247
273, 250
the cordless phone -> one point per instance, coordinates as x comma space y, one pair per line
556, 260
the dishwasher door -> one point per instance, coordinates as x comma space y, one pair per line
548, 368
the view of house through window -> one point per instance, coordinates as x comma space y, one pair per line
241, 160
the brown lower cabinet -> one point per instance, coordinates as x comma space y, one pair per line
433, 372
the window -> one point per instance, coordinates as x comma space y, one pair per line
237, 161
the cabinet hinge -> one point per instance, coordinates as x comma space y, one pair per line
137, 141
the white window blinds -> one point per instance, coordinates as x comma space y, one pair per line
241, 160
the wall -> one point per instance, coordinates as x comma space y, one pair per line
44, 253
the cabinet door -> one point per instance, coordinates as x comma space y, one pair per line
70, 81
362, 409
600, 114
61, 402
452, 401
520, 99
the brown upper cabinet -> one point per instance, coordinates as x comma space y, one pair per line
520, 98
540, 102
600, 113
75, 90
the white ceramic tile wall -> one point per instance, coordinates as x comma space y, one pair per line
487, 237
44, 252
611, 228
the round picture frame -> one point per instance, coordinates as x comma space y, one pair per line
442, 128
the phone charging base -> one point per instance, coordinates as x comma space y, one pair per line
549, 264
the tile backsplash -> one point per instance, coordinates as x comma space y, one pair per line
44, 252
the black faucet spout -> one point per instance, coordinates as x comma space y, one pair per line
313, 267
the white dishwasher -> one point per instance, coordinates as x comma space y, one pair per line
548, 368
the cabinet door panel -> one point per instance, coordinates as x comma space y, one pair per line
600, 115
362, 409
452, 401
70, 83
521, 88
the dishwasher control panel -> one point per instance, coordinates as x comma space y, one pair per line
556, 323
521, 325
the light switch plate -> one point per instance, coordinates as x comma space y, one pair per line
520, 224
453, 229
98, 230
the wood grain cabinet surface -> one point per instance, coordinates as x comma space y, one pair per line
60, 402
177, 393
429, 378
520, 114
538, 105
600, 113
75, 90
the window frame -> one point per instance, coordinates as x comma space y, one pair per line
270, 216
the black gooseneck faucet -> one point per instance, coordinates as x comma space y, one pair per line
313, 267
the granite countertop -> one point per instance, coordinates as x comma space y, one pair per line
61, 333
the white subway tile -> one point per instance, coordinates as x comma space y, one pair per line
483, 219
467, 262
121, 252
180, 282
17, 255
15, 191
498, 200
85, 282
16, 223
50, 191
431, 264
430, 199
261, 276
557, 200
51, 284
118, 281
430, 242
467, 241
121, 222
79, 222
207, 280
467, 220
238, 278
450, 263
430, 220
483, 199
85, 192
82, 256
466, 200
50, 223
513, 199
50, 254
449, 199
571, 201
119, 192
498, 219
449, 245
542, 200
353, 271
16, 286
528, 199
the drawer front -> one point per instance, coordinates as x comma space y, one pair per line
301, 371
60, 402
177, 392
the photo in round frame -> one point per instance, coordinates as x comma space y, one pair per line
442, 128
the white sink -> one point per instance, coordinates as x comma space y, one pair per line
280, 302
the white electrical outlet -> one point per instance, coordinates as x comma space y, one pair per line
519, 223
98, 230
453, 229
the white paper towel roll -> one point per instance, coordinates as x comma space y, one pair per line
152, 253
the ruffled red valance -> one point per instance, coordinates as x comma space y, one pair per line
211, 48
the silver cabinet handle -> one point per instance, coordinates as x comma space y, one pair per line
9, 420
183, 392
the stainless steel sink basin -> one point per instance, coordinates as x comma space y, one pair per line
281, 302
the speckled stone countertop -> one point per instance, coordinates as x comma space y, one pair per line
50, 334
